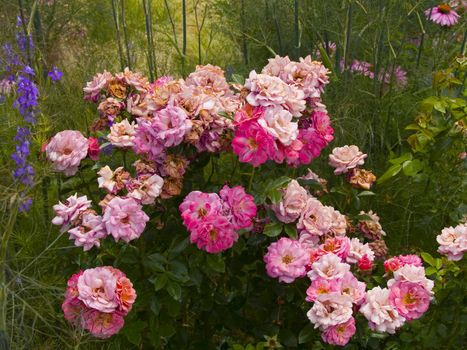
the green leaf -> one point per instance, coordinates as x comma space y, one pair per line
401, 159
133, 330
174, 289
438, 263
275, 195
366, 193
291, 230
306, 334
273, 229
160, 282
428, 259
392, 171
155, 262
430, 271
412, 167
215, 262
238, 79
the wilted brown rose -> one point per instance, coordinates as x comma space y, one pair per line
99, 124
172, 187
145, 167
380, 248
361, 178
175, 165
195, 133
117, 88
79, 218
121, 177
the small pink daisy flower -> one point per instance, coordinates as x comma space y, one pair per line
443, 15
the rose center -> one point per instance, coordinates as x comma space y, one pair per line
409, 299
202, 212
67, 151
444, 8
213, 235
287, 259
125, 220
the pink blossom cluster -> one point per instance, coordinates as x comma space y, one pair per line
334, 262
366, 69
68, 148
282, 118
98, 299
214, 219
453, 242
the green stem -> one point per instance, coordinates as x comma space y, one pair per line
117, 33
125, 35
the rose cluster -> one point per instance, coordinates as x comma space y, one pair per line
333, 262
214, 219
98, 299
282, 117
453, 242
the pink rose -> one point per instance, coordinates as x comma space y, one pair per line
392, 264
214, 234
170, 125
330, 310
453, 242
322, 286
339, 334
124, 219
66, 150
294, 200
94, 87
345, 158
96, 289
198, 205
278, 123
240, 206
89, 232
122, 134
364, 263
94, 148
102, 325
410, 299
315, 219
339, 246
69, 210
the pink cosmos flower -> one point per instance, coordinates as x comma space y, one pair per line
96, 289
66, 150
94, 148
146, 188
382, 316
294, 200
278, 123
171, 124
286, 259
240, 206
345, 158
443, 15
102, 325
252, 143
124, 219
315, 218
70, 210
330, 309
269, 91
339, 246
214, 234
453, 242
328, 266
352, 287
358, 250
322, 286
410, 299
94, 87
339, 334
198, 205
89, 232
122, 134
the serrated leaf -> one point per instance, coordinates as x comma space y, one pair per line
273, 229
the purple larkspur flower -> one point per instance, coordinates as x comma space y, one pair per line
55, 74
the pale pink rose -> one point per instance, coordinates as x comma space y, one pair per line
278, 123
122, 134
133, 79
106, 178
382, 316
310, 242
339, 223
198, 205
328, 266
410, 299
414, 274
315, 218
345, 158
89, 232
69, 210
453, 242
124, 219
94, 87
140, 106
102, 325
330, 309
208, 76
146, 188
307, 75
269, 91
322, 286
126, 295
110, 108
239, 205
171, 124
214, 233
66, 150
276, 67
358, 250
339, 246
294, 201
286, 259
411, 259
339, 334
147, 142
351, 286
96, 289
